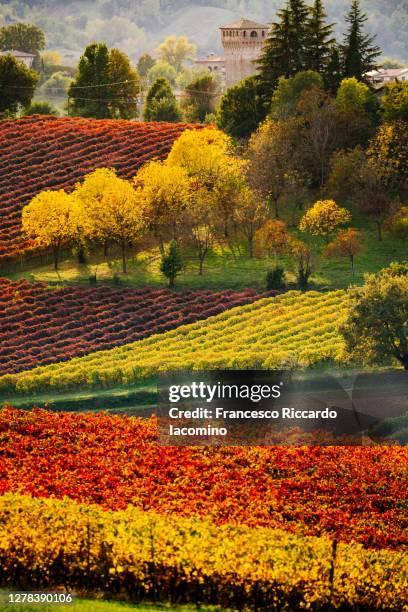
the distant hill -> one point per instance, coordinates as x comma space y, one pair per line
138, 25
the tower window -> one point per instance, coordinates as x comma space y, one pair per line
263, 33
244, 33
254, 34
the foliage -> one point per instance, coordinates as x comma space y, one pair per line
112, 209
41, 108
397, 225
272, 238
359, 49
394, 102
302, 255
319, 39
323, 218
271, 154
162, 70
172, 262
22, 37
175, 50
68, 542
52, 218
115, 460
17, 84
343, 183
250, 215
376, 328
275, 279
145, 62
161, 104
106, 86
241, 109
75, 320
164, 193
246, 337
60, 152
201, 96
57, 84
348, 243
388, 150
356, 108
289, 91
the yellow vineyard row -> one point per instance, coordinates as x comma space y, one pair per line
269, 333
47, 543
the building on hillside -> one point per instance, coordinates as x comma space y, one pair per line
213, 63
242, 42
384, 76
21, 56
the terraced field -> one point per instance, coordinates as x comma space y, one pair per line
295, 327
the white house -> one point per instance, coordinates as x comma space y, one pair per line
21, 56
387, 75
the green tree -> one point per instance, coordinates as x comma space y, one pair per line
319, 40
289, 91
376, 328
105, 86
298, 35
161, 103
241, 109
172, 263
23, 37
17, 84
162, 70
201, 97
394, 103
275, 60
356, 110
333, 73
144, 64
359, 49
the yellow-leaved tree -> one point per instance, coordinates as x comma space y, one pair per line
324, 218
216, 174
52, 219
112, 210
163, 192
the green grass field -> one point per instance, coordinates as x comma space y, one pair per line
222, 269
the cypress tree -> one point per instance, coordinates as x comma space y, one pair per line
319, 39
359, 50
275, 60
298, 34
333, 74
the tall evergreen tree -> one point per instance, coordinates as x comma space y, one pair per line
298, 34
319, 40
275, 60
333, 74
89, 94
359, 49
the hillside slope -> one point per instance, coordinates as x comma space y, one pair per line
40, 153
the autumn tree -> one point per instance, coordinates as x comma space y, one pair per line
302, 256
17, 84
376, 328
250, 215
52, 219
163, 191
271, 155
208, 158
388, 152
197, 226
324, 218
397, 225
272, 239
176, 50
343, 182
112, 210
375, 194
394, 102
348, 243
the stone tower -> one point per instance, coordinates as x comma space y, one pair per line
243, 42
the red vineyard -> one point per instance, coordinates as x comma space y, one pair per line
40, 153
39, 325
353, 493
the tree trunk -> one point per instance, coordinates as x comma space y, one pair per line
404, 361
276, 209
55, 251
123, 257
171, 282
352, 265
251, 247
105, 248
200, 271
